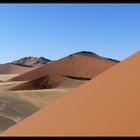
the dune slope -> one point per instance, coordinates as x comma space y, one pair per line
107, 105
13, 69
81, 64
48, 82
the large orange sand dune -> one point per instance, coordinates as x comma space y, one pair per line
105, 106
81, 64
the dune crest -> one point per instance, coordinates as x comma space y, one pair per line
81, 64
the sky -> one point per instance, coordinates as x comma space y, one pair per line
57, 30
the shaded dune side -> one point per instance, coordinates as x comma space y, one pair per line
76, 65
13, 69
108, 105
48, 82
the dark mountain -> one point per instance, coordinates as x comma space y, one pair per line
31, 61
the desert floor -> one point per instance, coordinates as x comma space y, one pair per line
5, 77
17, 105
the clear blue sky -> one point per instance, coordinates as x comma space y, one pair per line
57, 30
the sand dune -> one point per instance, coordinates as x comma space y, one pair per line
24, 94
12, 109
108, 105
22, 65
5, 77
13, 69
81, 64
49, 82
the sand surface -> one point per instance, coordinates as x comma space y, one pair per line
5, 77
13, 69
13, 109
17, 105
108, 105
75, 65
49, 82
24, 94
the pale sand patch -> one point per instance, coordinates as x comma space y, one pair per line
5, 77
17, 105
40, 98
13, 109
6, 85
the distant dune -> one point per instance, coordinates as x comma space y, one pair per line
13, 69
108, 105
82, 64
48, 82
23, 65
